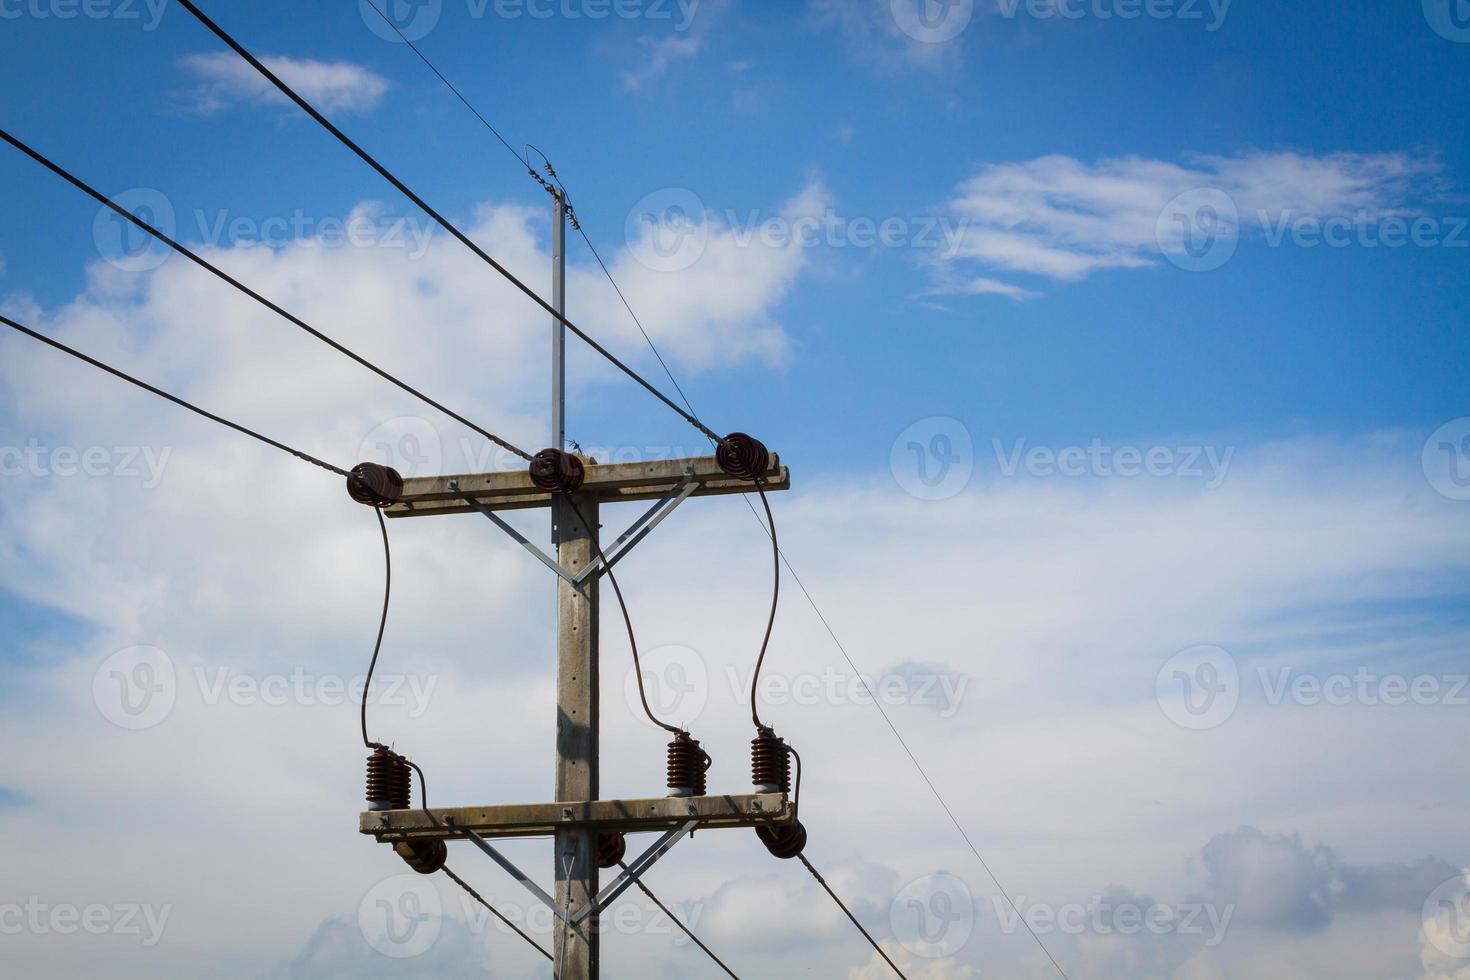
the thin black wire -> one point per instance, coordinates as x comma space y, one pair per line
770, 530
840, 904
497, 913
627, 620
382, 626
760, 661
183, 250
442, 221
424, 795
173, 398
683, 928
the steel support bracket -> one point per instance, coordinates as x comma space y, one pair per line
641, 528
634, 871
519, 538
536, 890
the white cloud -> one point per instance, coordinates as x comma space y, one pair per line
335, 86
1060, 218
658, 55
873, 37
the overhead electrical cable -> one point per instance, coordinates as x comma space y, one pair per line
307, 457
442, 221
203, 263
843, 906
682, 927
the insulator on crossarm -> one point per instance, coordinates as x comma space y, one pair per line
389, 780
557, 472
770, 771
424, 856
612, 847
688, 766
743, 456
374, 485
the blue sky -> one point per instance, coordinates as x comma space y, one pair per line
1106, 246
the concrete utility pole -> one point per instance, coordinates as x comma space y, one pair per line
577, 686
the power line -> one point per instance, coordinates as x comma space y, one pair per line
840, 904
682, 927
771, 532
442, 221
194, 257
497, 913
20, 328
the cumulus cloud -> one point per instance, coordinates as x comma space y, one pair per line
332, 86
1064, 219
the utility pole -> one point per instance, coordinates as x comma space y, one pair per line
577, 817
577, 688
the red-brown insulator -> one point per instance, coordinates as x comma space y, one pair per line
612, 847
424, 856
688, 766
557, 472
770, 763
784, 842
743, 456
374, 485
389, 781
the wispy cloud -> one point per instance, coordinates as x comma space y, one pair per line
1064, 219
661, 54
226, 80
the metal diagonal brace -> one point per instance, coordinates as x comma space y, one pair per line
641, 528
635, 870
520, 538
515, 873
